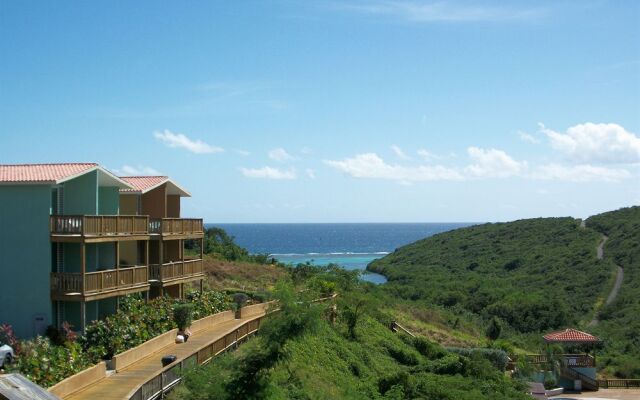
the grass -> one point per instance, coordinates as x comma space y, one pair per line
241, 275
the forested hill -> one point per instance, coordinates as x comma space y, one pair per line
620, 321
535, 274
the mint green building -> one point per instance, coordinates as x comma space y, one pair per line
60, 237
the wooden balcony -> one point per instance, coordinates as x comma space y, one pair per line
97, 285
97, 228
176, 272
177, 228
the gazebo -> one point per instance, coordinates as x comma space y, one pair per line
574, 337
578, 370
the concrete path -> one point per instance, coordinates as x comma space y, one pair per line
616, 286
119, 385
603, 394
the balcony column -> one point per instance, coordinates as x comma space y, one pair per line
83, 315
83, 266
117, 263
201, 247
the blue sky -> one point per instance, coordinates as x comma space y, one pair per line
336, 111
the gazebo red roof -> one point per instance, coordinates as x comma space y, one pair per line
570, 336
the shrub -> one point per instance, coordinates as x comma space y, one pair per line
7, 336
47, 364
428, 349
183, 315
240, 299
498, 358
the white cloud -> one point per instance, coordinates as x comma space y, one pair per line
370, 165
311, 173
579, 173
280, 155
492, 163
140, 170
398, 151
178, 140
427, 155
306, 150
525, 137
268, 173
596, 143
441, 11
241, 152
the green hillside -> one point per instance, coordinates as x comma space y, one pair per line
298, 354
620, 321
534, 276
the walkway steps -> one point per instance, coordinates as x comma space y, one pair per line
120, 385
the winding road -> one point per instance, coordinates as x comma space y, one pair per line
616, 285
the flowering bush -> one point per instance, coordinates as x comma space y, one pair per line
138, 321
8, 337
47, 364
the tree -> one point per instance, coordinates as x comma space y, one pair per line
494, 330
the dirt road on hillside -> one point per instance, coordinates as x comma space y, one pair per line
616, 285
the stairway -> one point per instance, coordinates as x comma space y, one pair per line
588, 383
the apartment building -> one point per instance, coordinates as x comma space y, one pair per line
71, 244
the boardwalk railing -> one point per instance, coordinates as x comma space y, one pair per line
75, 283
175, 270
99, 225
176, 226
619, 383
170, 376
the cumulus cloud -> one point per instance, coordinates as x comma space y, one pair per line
280, 155
140, 170
398, 151
370, 165
268, 173
525, 137
178, 140
579, 173
596, 143
492, 163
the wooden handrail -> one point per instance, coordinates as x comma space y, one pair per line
72, 283
176, 226
99, 225
176, 270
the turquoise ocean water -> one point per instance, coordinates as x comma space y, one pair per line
351, 246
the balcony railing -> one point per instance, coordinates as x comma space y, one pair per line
572, 360
91, 283
176, 226
175, 270
99, 225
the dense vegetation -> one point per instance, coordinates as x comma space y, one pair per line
530, 276
620, 321
217, 242
534, 275
299, 354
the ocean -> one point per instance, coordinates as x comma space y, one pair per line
351, 246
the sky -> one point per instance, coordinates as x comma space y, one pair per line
335, 111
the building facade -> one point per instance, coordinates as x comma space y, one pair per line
69, 252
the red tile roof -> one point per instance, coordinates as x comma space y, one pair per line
570, 336
142, 183
42, 173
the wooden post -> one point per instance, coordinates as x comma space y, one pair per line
201, 247
201, 286
83, 265
83, 315
117, 263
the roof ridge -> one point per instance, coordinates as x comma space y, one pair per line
145, 176
61, 163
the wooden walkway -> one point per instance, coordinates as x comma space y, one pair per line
120, 385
